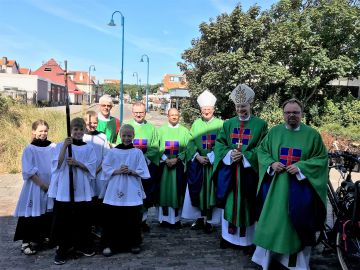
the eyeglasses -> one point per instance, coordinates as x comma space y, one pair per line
138, 112
294, 113
105, 105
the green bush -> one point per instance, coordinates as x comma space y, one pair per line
351, 132
271, 111
344, 113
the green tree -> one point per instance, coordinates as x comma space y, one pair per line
131, 89
111, 89
294, 49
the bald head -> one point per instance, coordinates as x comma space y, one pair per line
173, 116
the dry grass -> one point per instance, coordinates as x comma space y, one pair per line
15, 131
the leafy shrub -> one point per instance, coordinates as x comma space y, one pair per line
271, 111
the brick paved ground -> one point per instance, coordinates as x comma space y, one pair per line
163, 248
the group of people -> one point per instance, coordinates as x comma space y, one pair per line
267, 189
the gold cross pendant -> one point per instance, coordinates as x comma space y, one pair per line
239, 145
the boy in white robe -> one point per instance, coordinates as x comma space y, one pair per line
34, 221
72, 223
101, 145
123, 167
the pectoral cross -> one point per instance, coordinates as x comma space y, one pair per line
239, 145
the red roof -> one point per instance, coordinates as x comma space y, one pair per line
25, 71
9, 63
50, 71
81, 77
111, 81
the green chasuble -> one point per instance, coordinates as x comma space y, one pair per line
173, 143
274, 230
251, 133
146, 138
204, 134
109, 128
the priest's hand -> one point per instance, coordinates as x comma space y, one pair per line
202, 160
236, 155
278, 167
292, 169
170, 162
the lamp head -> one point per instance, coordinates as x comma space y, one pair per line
111, 23
141, 60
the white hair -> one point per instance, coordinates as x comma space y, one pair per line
106, 98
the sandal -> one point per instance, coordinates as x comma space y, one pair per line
28, 249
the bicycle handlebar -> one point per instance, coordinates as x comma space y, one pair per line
344, 159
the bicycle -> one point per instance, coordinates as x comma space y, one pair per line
341, 232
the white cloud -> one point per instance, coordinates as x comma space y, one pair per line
153, 45
71, 16
224, 5
146, 44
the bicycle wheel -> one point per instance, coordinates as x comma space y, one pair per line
348, 252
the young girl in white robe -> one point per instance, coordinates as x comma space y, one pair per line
123, 167
72, 219
34, 221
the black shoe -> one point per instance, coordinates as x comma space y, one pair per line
224, 244
177, 225
107, 252
59, 259
208, 228
249, 250
198, 224
165, 224
86, 252
145, 227
135, 250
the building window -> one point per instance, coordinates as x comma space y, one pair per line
47, 69
175, 79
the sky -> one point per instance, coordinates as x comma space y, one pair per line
34, 31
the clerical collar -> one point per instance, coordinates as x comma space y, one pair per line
40, 143
78, 142
142, 123
293, 129
245, 119
171, 126
93, 133
103, 118
123, 146
208, 121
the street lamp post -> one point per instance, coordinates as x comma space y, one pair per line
147, 80
137, 84
90, 90
121, 98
